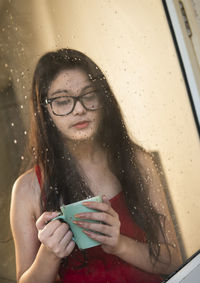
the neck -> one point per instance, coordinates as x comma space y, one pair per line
84, 150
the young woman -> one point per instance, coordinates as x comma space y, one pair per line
81, 148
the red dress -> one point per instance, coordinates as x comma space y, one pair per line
101, 267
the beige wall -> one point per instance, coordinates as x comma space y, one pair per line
131, 42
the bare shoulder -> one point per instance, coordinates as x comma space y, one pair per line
24, 211
25, 180
26, 192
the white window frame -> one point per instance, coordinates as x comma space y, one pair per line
187, 53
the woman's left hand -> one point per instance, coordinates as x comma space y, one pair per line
109, 225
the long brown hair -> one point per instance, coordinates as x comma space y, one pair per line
61, 180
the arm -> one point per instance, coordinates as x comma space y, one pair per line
36, 262
129, 250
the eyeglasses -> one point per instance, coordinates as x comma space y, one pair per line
64, 105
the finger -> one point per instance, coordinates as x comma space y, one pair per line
66, 239
50, 228
45, 218
106, 240
60, 232
61, 249
47, 231
97, 227
69, 248
106, 200
100, 206
99, 216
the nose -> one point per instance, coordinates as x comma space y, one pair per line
79, 109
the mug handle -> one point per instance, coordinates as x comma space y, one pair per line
61, 216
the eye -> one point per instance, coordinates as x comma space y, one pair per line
90, 95
64, 100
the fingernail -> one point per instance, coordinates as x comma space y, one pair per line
86, 203
77, 215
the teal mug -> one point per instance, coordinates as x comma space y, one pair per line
68, 212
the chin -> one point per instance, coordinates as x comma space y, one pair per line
81, 136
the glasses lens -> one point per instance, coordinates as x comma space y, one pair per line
90, 100
62, 105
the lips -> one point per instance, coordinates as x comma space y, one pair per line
81, 124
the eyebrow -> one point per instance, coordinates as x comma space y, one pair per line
66, 91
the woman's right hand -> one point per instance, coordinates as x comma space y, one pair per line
54, 235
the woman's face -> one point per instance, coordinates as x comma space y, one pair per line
81, 124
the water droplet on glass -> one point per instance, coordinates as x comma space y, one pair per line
25, 97
17, 80
22, 157
15, 141
21, 106
25, 132
12, 124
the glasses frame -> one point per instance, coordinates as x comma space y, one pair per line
75, 100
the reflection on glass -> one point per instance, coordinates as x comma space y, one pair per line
24, 40
82, 149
